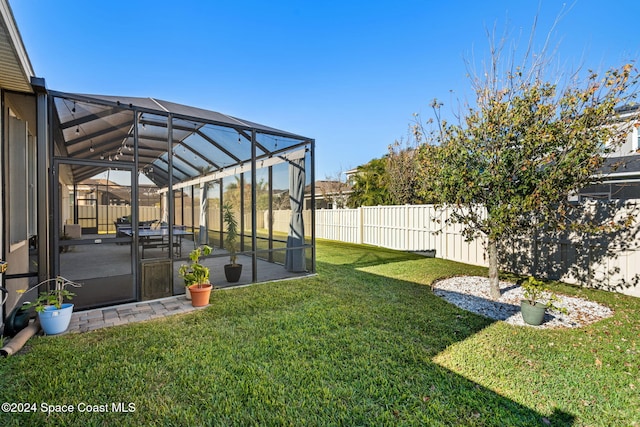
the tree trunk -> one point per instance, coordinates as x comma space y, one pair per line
494, 282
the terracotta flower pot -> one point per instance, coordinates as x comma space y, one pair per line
200, 295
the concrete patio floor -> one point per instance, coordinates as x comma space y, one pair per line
79, 264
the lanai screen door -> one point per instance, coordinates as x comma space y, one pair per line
101, 258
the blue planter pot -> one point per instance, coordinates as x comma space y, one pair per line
54, 321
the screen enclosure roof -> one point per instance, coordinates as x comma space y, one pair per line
203, 143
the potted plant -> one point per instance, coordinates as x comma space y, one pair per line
54, 314
533, 307
196, 277
233, 270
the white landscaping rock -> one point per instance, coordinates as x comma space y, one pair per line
471, 293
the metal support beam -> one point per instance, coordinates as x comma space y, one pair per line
312, 166
254, 222
42, 148
242, 224
135, 207
270, 217
170, 197
221, 214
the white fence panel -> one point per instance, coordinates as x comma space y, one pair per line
107, 215
280, 220
387, 227
370, 226
421, 228
339, 224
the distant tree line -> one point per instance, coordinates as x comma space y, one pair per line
390, 180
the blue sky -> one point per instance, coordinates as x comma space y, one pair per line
349, 74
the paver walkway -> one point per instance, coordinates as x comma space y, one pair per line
89, 320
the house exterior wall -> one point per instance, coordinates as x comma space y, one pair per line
1, 194
619, 178
19, 192
629, 146
15, 78
629, 121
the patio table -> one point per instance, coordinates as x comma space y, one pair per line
159, 237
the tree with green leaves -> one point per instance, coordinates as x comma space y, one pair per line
232, 193
370, 185
510, 163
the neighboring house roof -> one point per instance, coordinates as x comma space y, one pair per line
351, 172
627, 109
624, 162
620, 168
328, 188
117, 190
15, 67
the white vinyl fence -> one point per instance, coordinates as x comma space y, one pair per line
611, 262
406, 228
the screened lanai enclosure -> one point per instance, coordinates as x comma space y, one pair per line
140, 183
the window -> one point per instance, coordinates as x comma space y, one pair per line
17, 162
32, 182
20, 162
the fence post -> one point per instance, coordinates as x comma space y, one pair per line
380, 229
360, 225
407, 245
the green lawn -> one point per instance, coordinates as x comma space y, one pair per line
363, 343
